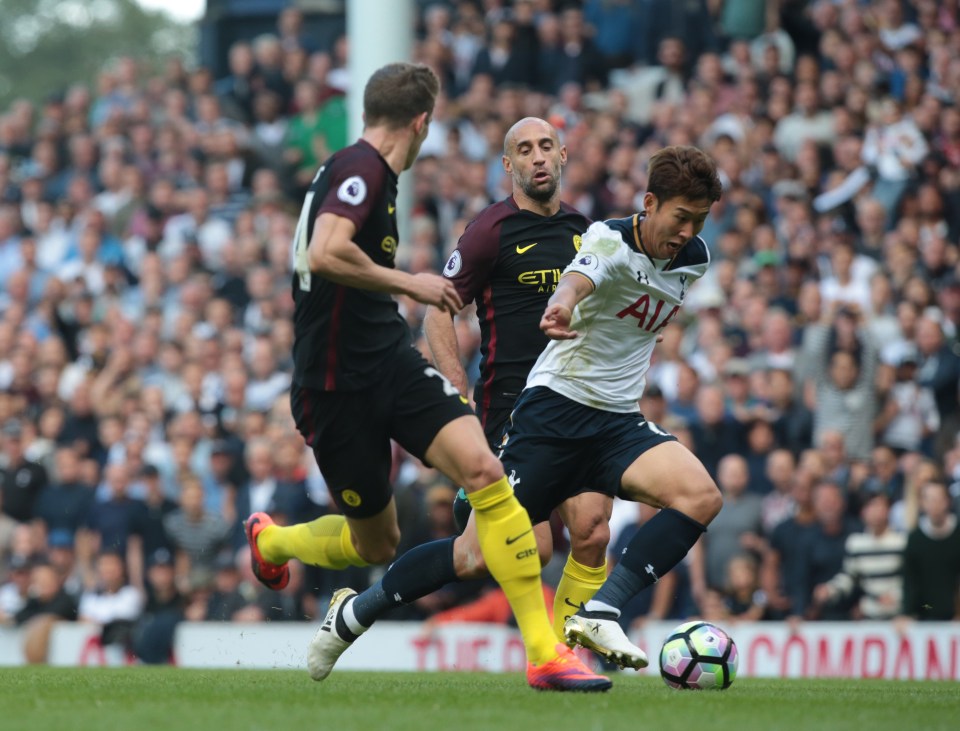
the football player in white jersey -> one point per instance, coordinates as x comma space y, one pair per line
577, 426
580, 405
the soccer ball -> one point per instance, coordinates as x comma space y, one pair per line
698, 655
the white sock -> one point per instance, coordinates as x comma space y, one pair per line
351, 621
594, 606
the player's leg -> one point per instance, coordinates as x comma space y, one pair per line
587, 517
504, 531
348, 433
427, 568
669, 476
494, 421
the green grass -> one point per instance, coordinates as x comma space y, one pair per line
171, 699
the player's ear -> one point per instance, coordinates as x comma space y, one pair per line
563, 154
421, 121
650, 203
507, 164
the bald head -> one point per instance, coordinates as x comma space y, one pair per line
528, 128
533, 157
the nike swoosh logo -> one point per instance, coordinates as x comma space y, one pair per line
517, 538
525, 249
391, 209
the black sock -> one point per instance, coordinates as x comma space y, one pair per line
656, 548
415, 574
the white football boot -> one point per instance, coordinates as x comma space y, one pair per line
606, 638
327, 646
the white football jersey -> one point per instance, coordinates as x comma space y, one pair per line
635, 297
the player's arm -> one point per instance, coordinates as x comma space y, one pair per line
333, 254
441, 334
572, 289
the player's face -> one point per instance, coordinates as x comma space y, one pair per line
535, 159
670, 224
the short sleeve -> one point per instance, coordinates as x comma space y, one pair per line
356, 184
599, 254
470, 264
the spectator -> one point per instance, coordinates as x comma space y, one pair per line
872, 566
931, 561
149, 521
163, 610
792, 420
781, 567
743, 598
65, 502
225, 603
738, 527
820, 556
236, 90
777, 505
893, 147
715, 433
46, 596
940, 372
196, 535
20, 479
8, 527
843, 377
111, 603
15, 592
908, 416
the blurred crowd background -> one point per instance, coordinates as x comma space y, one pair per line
145, 303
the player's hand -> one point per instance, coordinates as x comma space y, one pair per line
555, 323
432, 289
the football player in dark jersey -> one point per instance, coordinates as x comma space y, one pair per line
358, 383
509, 261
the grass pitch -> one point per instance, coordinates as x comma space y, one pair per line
172, 699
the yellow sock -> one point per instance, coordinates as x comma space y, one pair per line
510, 550
577, 586
322, 542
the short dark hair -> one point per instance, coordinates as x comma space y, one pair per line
398, 92
682, 171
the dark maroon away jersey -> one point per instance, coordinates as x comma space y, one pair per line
509, 262
344, 336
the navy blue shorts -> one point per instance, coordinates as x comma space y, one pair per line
557, 448
350, 431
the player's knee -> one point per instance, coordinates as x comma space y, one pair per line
480, 470
705, 502
382, 551
700, 500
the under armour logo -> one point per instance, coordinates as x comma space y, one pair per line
397, 598
683, 286
643, 278
513, 479
649, 569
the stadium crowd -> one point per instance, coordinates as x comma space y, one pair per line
145, 302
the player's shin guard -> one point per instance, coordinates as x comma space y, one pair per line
510, 551
659, 545
322, 542
577, 586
